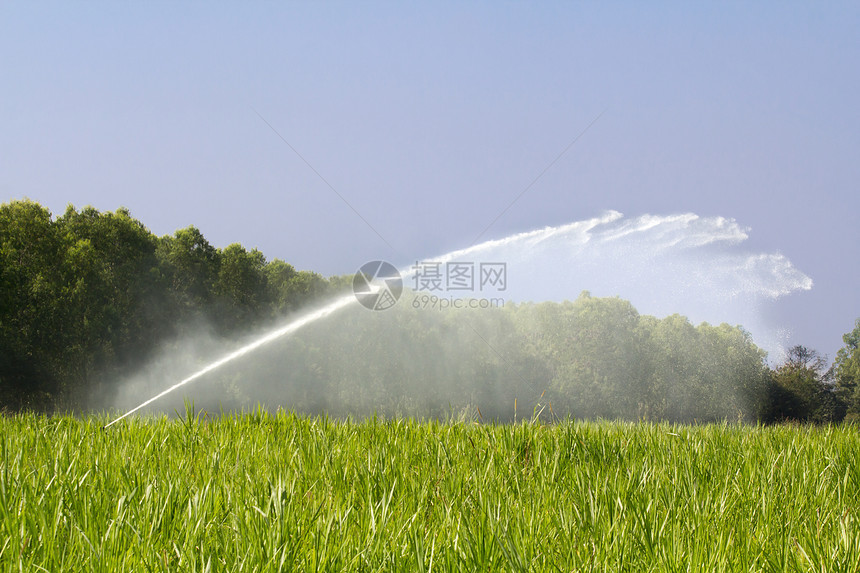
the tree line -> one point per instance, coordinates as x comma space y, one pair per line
89, 297
593, 357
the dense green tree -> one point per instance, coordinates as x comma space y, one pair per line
240, 288
278, 276
87, 297
676, 388
115, 297
847, 372
800, 389
603, 358
289, 289
31, 310
303, 288
733, 370
191, 266
594, 352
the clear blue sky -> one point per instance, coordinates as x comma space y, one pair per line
430, 118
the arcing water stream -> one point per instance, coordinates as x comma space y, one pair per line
662, 264
274, 335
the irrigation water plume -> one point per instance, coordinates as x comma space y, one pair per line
263, 340
273, 335
662, 264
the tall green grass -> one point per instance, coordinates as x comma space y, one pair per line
261, 492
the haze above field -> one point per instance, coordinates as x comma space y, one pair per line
430, 120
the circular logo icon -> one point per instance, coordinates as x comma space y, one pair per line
377, 285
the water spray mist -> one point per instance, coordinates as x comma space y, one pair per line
648, 258
274, 335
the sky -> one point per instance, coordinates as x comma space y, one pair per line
330, 134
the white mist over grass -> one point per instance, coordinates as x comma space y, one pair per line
275, 334
663, 264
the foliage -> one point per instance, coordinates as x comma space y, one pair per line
31, 321
800, 390
87, 297
847, 371
258, 492
589, 358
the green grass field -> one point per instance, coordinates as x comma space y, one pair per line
286, 493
